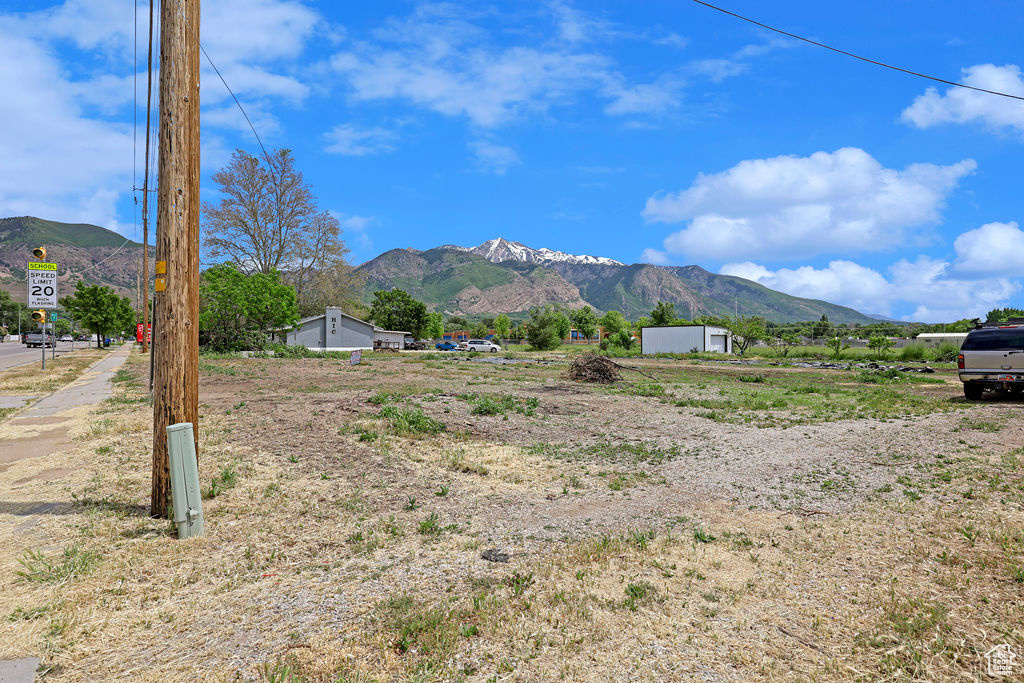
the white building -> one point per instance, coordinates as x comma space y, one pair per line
934, 340
685, 339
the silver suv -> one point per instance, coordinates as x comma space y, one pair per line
480, 345
992, 357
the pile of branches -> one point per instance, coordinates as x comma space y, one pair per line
590, 367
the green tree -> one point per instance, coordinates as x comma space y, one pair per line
564, 325
542, 329
435, 326
746, 330
1004, 314
99, 309
456, 322
613, 321
480, 330
238, 311
822, 328
11, 312
623, 339
836, 346
641, 323
585, 322
396, 310
502, 326
880, 344
664, 313
784, 342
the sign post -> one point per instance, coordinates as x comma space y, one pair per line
42, 293
53, 329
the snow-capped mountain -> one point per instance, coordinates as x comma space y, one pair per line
500, 249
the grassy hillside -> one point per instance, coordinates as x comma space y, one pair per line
33, 232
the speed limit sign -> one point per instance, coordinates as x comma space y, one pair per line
42, 285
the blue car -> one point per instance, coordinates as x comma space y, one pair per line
445, 346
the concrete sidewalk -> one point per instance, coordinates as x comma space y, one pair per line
91, 387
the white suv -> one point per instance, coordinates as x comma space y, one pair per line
479, 345
992, 357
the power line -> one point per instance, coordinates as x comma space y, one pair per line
855, 56
232, 93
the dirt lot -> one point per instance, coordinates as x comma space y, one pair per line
717, 522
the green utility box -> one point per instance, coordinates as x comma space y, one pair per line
186, 499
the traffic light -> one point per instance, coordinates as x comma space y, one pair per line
39, 253
39, 316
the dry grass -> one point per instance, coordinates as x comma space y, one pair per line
341, 549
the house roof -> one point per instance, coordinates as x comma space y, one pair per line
381, 329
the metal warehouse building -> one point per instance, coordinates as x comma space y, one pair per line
685, 339
934, 340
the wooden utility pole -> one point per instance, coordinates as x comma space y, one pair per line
176, 347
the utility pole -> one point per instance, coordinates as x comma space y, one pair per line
176, 347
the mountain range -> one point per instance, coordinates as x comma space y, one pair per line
82, 251
498, 276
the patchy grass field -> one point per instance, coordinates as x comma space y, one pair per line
699, 521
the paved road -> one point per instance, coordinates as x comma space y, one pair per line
13, 353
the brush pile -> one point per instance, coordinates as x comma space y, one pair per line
590, 367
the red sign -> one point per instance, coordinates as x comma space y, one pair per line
138, 333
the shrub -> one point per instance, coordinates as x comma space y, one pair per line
410, 421
913, 351
946, 353
543, 328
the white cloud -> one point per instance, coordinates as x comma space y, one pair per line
256, 30
494, 158
357, 142
930, 285
439, 59
229, 116
654, 256
792, 207
254, 81
355, 229
959, 105
644, 98
58, 164
992, 249
717, 70
575, 26
357, 223
842, 282
488, 88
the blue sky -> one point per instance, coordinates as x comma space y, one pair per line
658, 131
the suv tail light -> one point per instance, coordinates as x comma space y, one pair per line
960, 362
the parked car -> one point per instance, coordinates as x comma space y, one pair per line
66, 338
445, 346
481, 345
35, 339
992, 358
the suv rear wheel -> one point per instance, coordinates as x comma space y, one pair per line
973, 390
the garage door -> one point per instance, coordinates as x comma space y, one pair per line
717, 343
